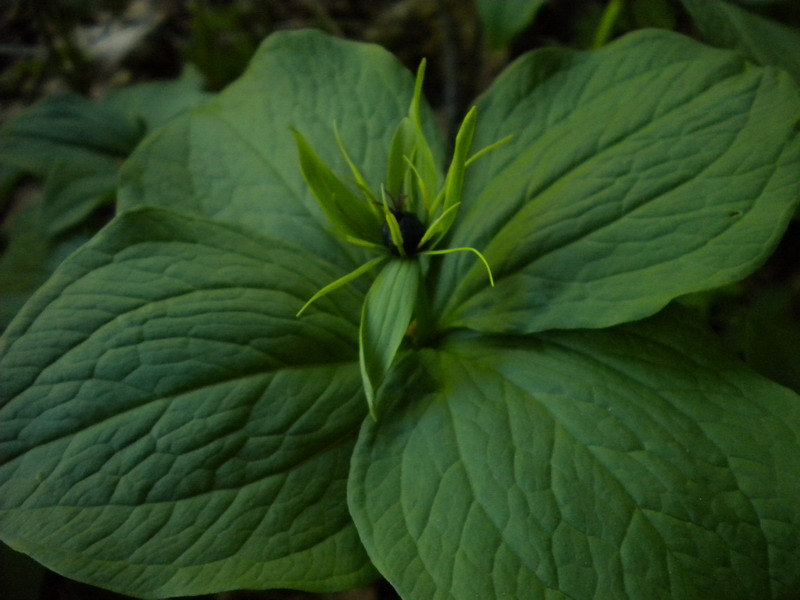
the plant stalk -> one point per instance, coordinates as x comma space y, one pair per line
607, 23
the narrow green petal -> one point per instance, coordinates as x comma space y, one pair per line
490, 148
454, 183
348, 213
421, 186
364, 243
423, 159
473, 250
400, 152
394, 226
353, 275
414, 109
360, 180
385, 317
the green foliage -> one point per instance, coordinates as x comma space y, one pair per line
503, 21
593, 181
766, 333
75, 146
766, 41
170, 426
597, 464
218, 439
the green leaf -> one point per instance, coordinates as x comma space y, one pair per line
68, 129
31, 256
72, 193
385, 317
765, 41
77, 144
601, 209
349, 214
640, 462
158, 102
234, 158
170, 428
503, 21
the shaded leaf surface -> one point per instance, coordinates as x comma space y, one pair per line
767, 42
69, 129
629, 463
75, 145
170, 427
650, 169
30, 257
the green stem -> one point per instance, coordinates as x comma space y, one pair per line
607, 23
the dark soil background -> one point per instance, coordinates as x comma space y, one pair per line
92, 47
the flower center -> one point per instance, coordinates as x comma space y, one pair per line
411, 230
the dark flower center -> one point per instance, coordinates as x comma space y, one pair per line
410, 228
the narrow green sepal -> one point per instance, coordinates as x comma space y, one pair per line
416, 102
394, 226
424, 161
348, 213
361, 182
385, 317
364, 243
490, 148
421, 188
454, 182
473, 250
335, 285
437, 225
400, 152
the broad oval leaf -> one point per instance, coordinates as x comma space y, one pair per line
234, 159
170, 427
634, 463
647, 170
